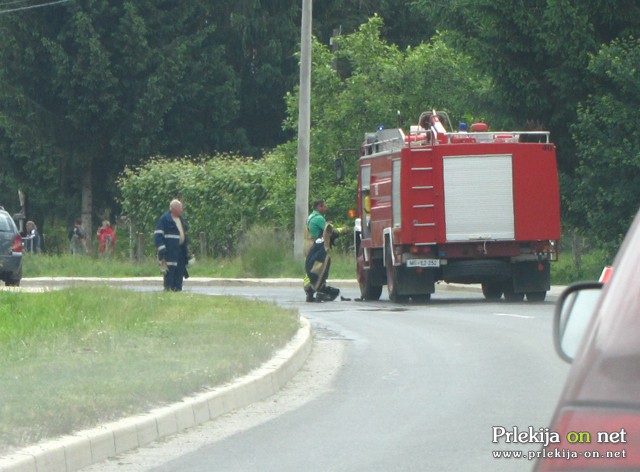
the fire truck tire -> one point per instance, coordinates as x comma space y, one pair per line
536, 296
368, 291
492, 290
422, 298
392, 279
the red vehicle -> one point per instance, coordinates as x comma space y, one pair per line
467, 207
598, 416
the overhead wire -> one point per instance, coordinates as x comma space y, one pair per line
32, 6
13, 2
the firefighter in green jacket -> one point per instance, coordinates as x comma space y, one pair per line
315, 224
318, 239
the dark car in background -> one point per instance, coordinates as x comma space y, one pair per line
10, 250
597, 328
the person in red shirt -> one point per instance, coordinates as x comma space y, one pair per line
106, 238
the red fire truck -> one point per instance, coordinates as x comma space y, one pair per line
470, 207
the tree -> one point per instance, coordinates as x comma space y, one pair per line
378, 79
260, 38
404, 25
536, 53
608, 142
92, 85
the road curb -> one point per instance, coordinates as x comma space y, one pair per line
87, 447
226, 282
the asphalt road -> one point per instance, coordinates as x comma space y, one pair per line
387, 388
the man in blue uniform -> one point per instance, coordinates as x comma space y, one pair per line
172, 244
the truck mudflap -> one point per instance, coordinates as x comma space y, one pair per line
531, 277
476, 271
413, 281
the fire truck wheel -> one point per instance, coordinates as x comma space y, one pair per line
392, 279
513, 297
422, 298
492, 290
367, 290
536, 296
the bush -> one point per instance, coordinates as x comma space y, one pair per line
222, 196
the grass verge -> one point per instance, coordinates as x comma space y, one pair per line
564, 271
265, 262
276, 266
73, 358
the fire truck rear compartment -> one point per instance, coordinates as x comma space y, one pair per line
478, 194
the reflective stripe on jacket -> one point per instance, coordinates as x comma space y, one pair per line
166, 237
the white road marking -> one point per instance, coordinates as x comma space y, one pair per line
512, 315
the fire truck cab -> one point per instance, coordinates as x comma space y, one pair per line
471, 207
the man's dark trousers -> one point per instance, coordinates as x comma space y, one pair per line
175, 275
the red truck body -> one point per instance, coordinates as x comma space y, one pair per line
461, 207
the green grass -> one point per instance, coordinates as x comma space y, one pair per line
45, 265
264, 264
277, 266
70, 359
564, 272
254, 264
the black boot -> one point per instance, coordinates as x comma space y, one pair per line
328, 293
309, 292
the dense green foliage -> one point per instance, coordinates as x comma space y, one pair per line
91, 86
537, 54
374, 81
88, 87
608, 143
222, 196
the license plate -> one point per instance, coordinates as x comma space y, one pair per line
423, 263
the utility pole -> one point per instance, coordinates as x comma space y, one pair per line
304, 131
